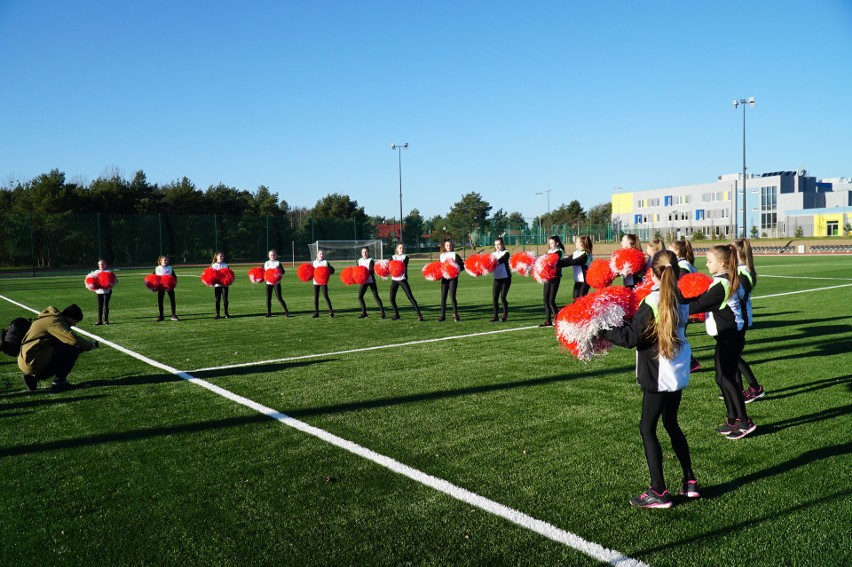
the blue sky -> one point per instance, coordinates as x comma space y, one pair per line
503, 98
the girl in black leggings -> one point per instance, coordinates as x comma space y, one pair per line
449, 285
552, 286
401, 281
502, 280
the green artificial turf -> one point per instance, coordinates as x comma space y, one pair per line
141, 467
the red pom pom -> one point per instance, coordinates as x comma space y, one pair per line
599, 275
92, 282
152, 282
226, 276
544, 269
693, 285
321, 275
346, 276
627, 261
305, 272
579, 325
396, 268
698, 317
272, 276
522, 262
449, 270
382, 269
255, 275
643, 290
168, 282
360, 275
107, 279
209, 277
480, 264
432, 271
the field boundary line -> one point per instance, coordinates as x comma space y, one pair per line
591, 549
800, 291
762, 275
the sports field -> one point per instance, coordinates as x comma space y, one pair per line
344, 441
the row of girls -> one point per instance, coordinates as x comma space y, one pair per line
664, 358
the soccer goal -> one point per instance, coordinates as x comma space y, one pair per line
336, 250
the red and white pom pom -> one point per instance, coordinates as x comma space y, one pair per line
432, 271
321, 275
209, 277
544, 268
168, 282
599, 275
226, 276
627, 261
107, 280
255, 275
272, 276
480, 264
92, 283
360, 275
152, 282
396, 268
346, 276
643, 290
449, 270
382, 269
693, 285
305, 272
578, 325
522, 262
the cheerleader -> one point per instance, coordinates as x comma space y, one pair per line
657, 331
103, 295
652, 247
502, 279
273, 264
367, 262
551, 287
321, 262
449, 286
165, 269
220, 291
686, 262
631, 241
580, 260
748, 279
401, 281
724, 322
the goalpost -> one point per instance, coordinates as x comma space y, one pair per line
336, 250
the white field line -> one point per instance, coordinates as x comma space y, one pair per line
800, 291
762, 275
356, 350
517, 517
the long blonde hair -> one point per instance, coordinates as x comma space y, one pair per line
727, 255
665, 328
746, 256
683, 249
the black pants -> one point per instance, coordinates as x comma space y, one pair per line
449, 287
316, 297
729, 348
269, 289
550, 289
61, 363
160, 295
221, 294
663, 404
394, 288
103, 306
580, 289
499, 291
375, 289
744, 370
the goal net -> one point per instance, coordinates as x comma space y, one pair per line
337, 250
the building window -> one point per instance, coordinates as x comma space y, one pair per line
637, 219
699, 214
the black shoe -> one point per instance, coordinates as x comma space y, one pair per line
174, 318
31, 382
504, 318
62, 386
361, 316
216, 317
268, 315
315, 315
456, 317
420, 317
651, 499
494, 319
546, 324
227, 316
331, 313
97, 323
288, 314
395, 318
383, 314
106, 321
160, 318
689, 488
442, 318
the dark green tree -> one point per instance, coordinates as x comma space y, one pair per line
467, 216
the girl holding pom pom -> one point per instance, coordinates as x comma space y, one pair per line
555, 246
450, 285
399, 279
657, 332
321, 282
725, 323
631, 241
220, 290
580, 261
165, 269
502, 279
273, 264
104, 294
367, 262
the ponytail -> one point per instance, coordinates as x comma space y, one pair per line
746, 256
688, 253
664, 267
727, 256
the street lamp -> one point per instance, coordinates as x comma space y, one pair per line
548, 210
398, 148
539, 194
742, 102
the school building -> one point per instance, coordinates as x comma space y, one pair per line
776, 204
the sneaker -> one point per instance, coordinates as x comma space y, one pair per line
395, 318
160, 318
315, 315
546, 324
694, 366
504, 318
288, 314
456, 317
651, 499
362, 316
689, 488
62, 386
419, 318
174, 318
753, 394
31, 382
442, 318
727, 428
494, 319
106, 321
216, 317
98, 323
742, 428
331, 313
227, 316
268, 315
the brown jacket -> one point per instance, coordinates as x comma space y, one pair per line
46, 330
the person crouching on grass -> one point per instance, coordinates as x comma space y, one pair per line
657, 331
50, 348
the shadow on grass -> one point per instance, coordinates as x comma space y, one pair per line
821, 349
805, 334
798, 389
28, 400
831, 413
134, 435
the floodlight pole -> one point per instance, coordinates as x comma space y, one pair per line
539, 217
742, 102
398, 148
